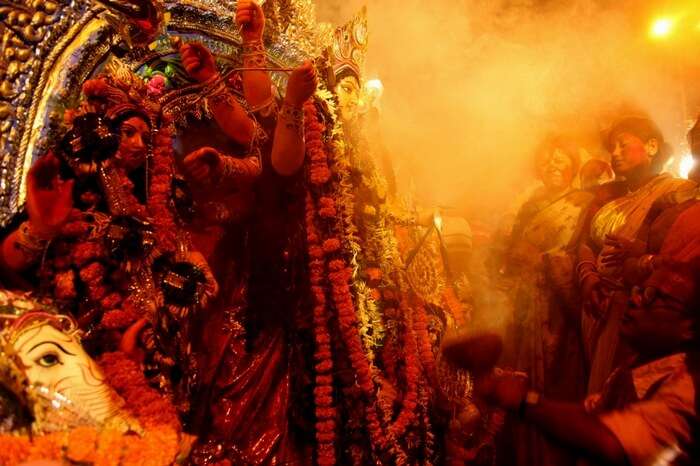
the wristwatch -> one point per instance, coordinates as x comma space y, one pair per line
532, 398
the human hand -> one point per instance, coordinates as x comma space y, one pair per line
251, 19
198, 61
49, 198
617, 249
506, 389
593, 295
203, 164
301, 85
129, 342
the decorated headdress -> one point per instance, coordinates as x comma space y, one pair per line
121, 93
350, 47
19, 311
109, 99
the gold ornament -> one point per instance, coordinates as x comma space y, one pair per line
349, 47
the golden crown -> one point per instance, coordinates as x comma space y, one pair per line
350, 46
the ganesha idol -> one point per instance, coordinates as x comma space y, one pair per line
45, 366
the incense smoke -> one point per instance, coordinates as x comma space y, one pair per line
472, 85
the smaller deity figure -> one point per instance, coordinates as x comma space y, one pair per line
69, 400
44, 346
104, 235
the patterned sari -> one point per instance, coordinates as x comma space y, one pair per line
623, 217
547, 341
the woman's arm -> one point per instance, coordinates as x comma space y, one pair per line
288, 148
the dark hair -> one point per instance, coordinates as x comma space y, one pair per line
646, 130
116, 121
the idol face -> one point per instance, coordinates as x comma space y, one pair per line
556, 171
629, 152
349, 95
134, 134
56, 360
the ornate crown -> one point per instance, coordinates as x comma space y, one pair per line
21, 311
121, 91
350, 46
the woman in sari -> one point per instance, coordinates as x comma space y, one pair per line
547, 344
638, 155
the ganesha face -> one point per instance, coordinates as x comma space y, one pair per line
57, 361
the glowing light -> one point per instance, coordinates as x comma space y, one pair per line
661, 27
687, 164
437, 220
375, 86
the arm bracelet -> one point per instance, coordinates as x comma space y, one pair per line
292, 118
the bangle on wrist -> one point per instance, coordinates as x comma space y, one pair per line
292, 117
254, 46
254, 54
584, 270
29, 242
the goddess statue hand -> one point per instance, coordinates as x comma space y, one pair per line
129, 342
251, 19
49, 198
301, 85
211, 288
203, 164
198, 62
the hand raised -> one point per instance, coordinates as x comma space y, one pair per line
198, 61
251, 19
49, 198
301, 85
202, 164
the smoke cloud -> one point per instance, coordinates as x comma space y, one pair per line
471, 87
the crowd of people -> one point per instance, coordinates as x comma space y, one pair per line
213, 274
605, 300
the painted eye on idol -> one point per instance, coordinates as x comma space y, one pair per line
48, 360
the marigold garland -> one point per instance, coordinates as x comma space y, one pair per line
425, 347
324, 404
408, 410
338, 274
88, 255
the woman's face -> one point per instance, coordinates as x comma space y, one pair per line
349, 97
556, 171
630, 152
134, 134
